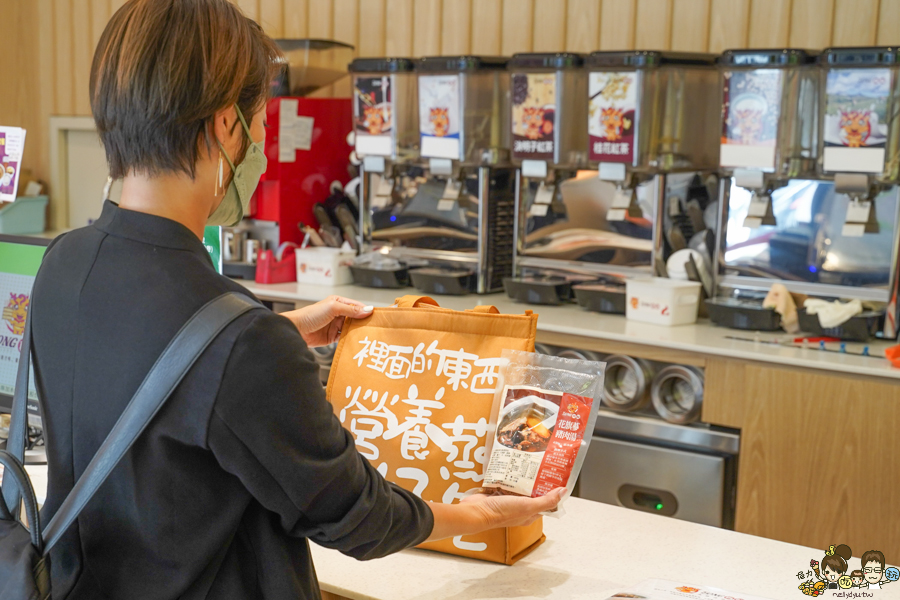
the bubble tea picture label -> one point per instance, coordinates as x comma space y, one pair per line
612, 116
373, 116
750, 112
856, 120
533, 115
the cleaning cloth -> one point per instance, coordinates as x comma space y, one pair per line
832, 314
781, 300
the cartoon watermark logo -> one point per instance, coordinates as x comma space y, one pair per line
14, 313
832, 574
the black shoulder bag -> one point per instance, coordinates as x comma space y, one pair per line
24, 552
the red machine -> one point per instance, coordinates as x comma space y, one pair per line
288, 190
306, 142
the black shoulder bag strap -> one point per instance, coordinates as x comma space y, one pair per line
168, 371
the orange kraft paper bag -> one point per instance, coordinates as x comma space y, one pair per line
414, 384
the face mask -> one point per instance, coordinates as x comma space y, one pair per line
236, 202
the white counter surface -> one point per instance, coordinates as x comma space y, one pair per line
702, 338
593, 551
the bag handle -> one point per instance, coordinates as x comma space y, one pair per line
488, 309
18, 476
413, 301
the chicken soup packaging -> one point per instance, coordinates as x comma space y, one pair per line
542, 420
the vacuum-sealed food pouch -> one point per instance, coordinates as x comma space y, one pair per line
542, 421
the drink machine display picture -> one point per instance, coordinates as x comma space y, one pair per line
812, 200
446, 226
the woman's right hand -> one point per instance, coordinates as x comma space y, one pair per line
481, 512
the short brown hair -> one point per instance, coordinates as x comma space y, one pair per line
872, 556
161, 71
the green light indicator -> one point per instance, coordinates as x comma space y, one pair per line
659, 506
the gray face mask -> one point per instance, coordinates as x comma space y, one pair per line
236, 202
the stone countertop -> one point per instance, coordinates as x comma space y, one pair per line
700, 338
593, 551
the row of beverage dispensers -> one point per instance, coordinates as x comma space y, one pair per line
560, 176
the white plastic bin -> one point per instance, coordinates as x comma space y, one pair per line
324, 266
662, 301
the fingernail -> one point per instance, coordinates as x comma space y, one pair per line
368, 309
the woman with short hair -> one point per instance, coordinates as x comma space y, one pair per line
246, 461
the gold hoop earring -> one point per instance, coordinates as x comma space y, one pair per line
221, 176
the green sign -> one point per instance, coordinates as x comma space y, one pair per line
21, 259
212, 239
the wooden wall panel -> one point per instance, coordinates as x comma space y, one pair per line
63, 63
426, 27
617, 24
250, 8
728, 24
770, 23
856, 23
399, 13
690, 25
82, 54
271, 17
518, 24
889, 23
549, 33
346, 29
296, 18
371, 28
811, 23
583, 26
419, 27
456, 31
487, 23
653, 25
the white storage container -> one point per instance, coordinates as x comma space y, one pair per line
324, 266
662, 301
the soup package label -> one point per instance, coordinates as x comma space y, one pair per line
537, 440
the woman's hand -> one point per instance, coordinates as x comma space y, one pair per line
480, 512
320, 324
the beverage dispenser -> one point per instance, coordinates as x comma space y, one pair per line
812, 200
386, 143
548, 144
307, 151
448, 223
651, 144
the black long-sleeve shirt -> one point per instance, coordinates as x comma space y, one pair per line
243, 464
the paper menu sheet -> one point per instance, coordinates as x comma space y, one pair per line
12, 144
662, 589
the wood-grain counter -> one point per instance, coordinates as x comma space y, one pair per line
820, 432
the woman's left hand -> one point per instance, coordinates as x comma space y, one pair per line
320, 324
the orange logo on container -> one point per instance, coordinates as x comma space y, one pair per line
687, 590
634, 302
573, 407
14, 313
856, 127
440, 119
614, 122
